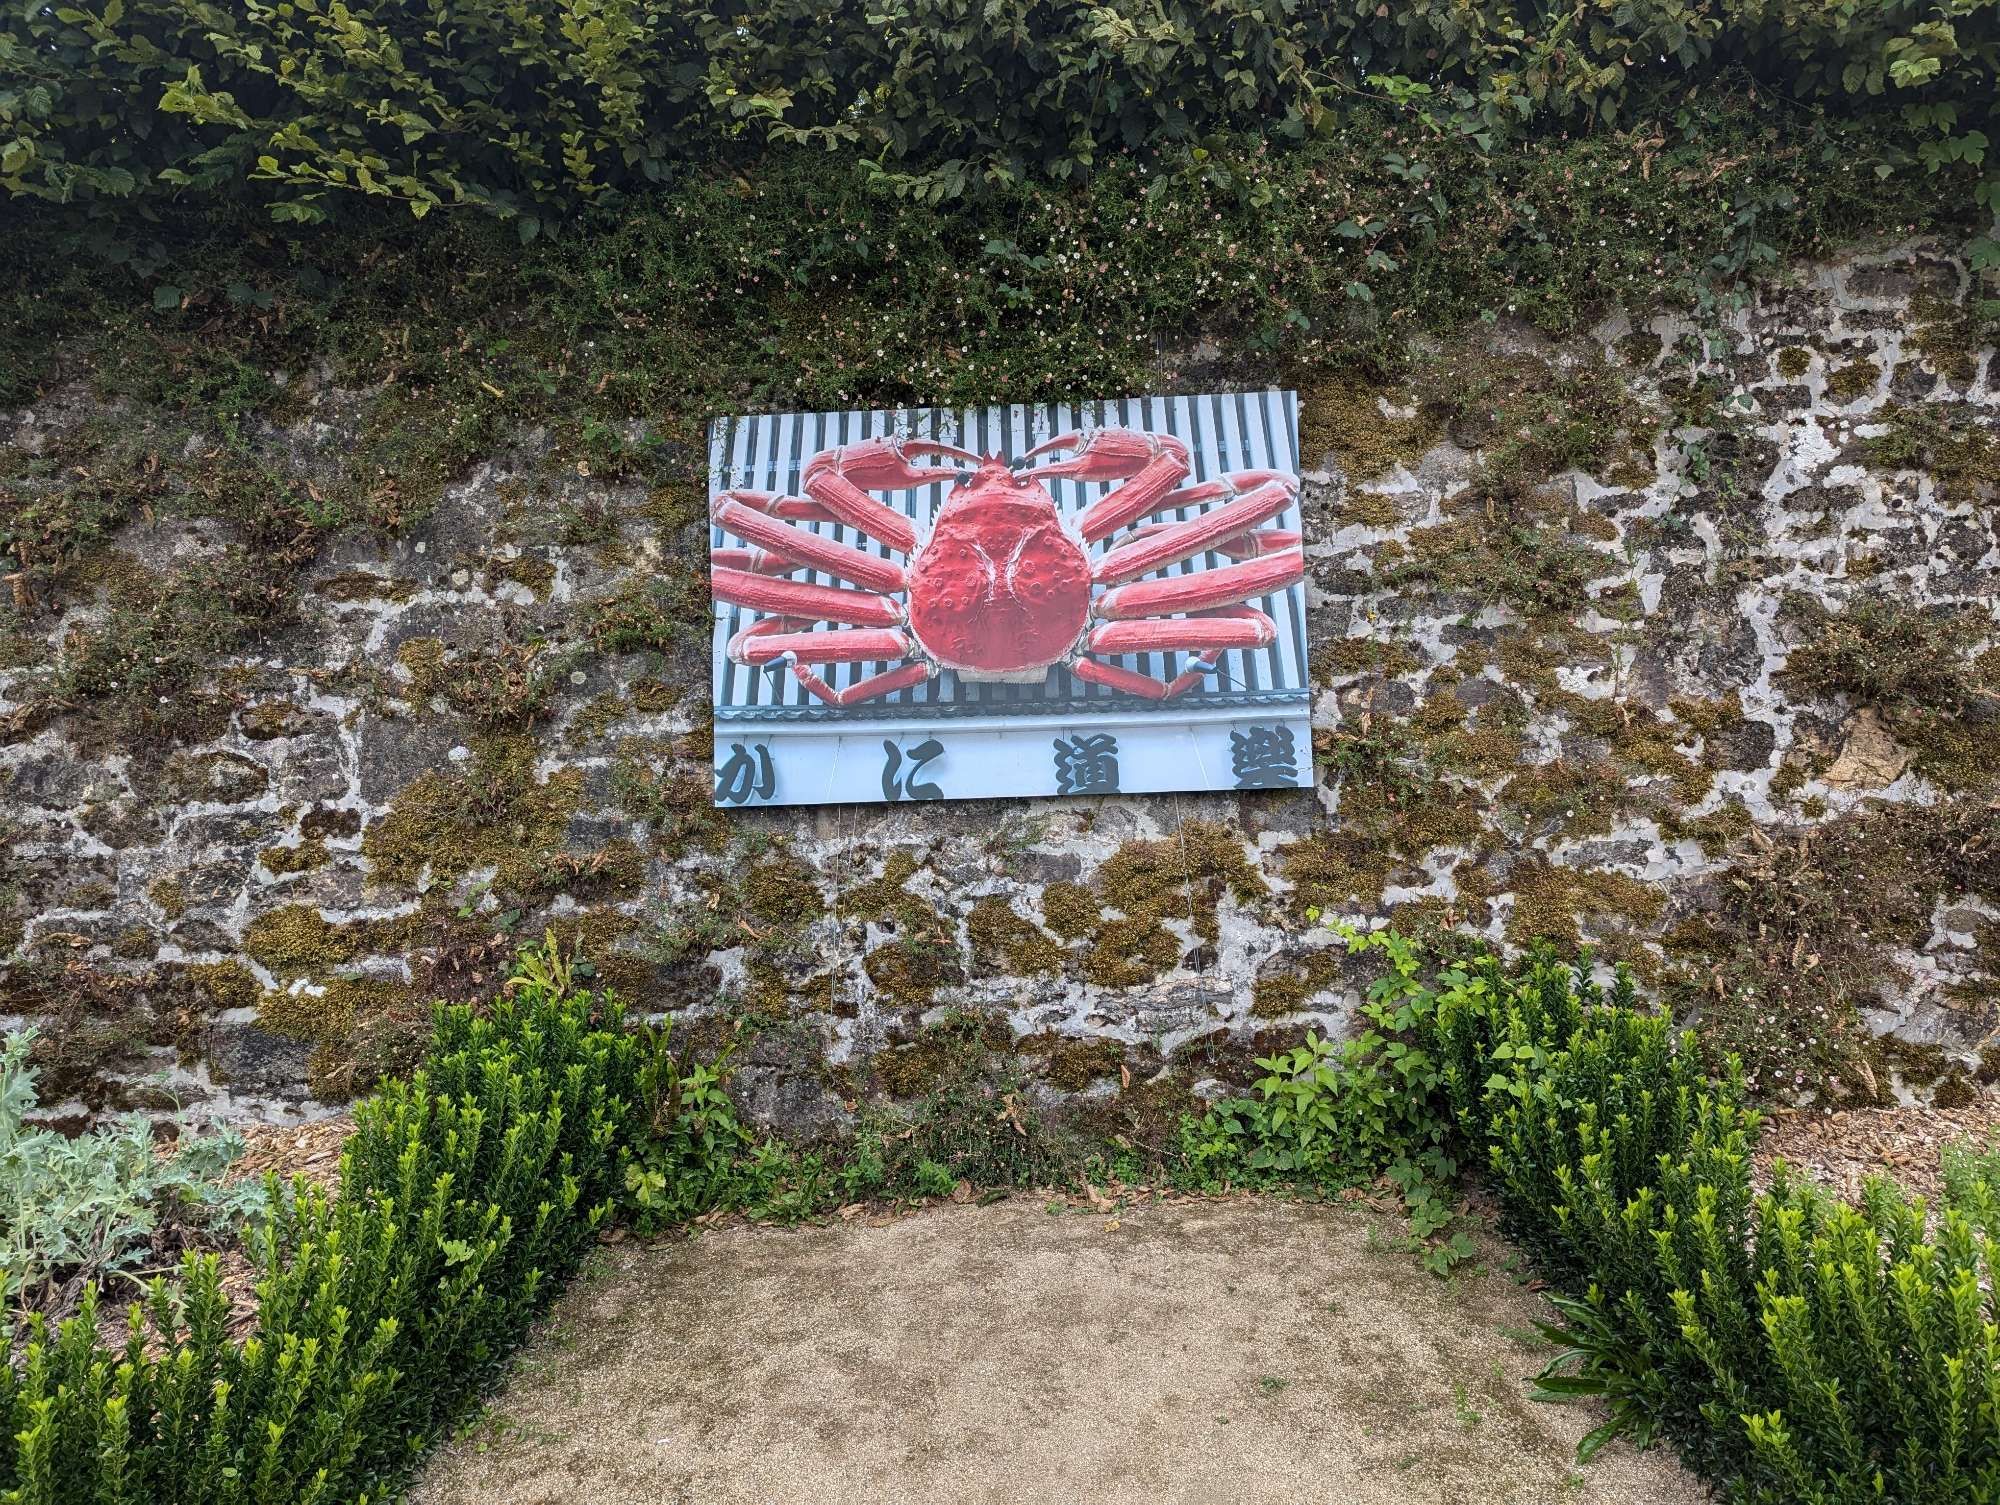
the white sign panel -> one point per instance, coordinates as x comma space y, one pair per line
1064, 599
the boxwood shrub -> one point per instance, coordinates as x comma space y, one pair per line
467, 1194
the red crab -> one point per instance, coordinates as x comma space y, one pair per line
1003, 587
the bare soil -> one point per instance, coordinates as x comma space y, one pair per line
1191, 1350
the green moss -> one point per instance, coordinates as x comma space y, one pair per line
592, 933
1652, 749
530, 570
910, 969
1955, 1091
1364, 655
1916, 666
618, 868
1490, 744
1073, 1064
783, 890
1277, 994
653, 782
1128, 952
170, 895
910, 1070
1003, 943
1793, 362
1182, 876
1344, 415
296, 939
1334, 871
651, 613
1538, 572
282, 860
424, 660
887, 897
1956, 443
1853, 381
1709, 717
363, 585
362, 1028
1573, 797
223, 985
1947, 336
1549, 899
1368, 509
1444, 816
1718, 832
1070, 909
494, 812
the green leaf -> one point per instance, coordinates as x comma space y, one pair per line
166, 297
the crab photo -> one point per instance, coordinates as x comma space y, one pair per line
1001, 587
1015, 601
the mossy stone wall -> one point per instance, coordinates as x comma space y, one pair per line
1674, 642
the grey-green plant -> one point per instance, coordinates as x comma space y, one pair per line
88, 1209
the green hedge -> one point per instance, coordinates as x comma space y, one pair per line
532, 110
467, 1194
1798, 1350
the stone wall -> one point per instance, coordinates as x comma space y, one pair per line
1676, 642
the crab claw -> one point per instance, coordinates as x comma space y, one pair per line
1108, 455
884, 464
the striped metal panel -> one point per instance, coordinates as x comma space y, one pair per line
1223, 432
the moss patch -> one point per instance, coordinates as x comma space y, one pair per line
783, 889
1853, 381
296, 939
1956, 443
1128, 952
1004, 943
302, 858
1070, 909
1550, 898
910, 970
1279, 993
1344, 415
1336, 870
1181, 877
494, 813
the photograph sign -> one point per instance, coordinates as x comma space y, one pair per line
1062, 599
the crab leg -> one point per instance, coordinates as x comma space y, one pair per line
777, 504
796, 599
1092, 672
1240, 621
1202, 589
1142, 556
1243, 546
763, 627
809, 549
843, 645
867, 689
1230, 627
839, 480
756, 561
1151, 465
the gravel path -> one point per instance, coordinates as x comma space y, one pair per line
1211, 1351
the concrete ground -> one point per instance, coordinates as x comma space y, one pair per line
1248, 1350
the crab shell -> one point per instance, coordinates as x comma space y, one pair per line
1001, 589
